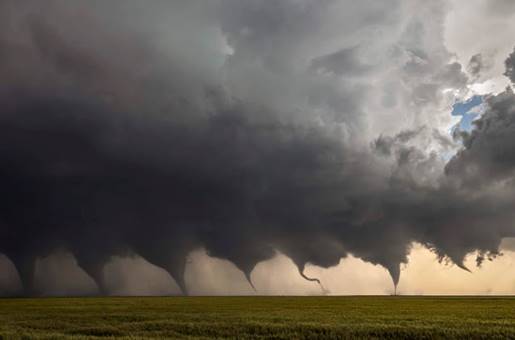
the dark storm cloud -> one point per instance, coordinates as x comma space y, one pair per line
510, 67
476, 65
344, 62
489, 153
117, 139
452, 75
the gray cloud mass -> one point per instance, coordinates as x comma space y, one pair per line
510, 67
128, 128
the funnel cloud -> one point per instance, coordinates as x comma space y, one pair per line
317, 129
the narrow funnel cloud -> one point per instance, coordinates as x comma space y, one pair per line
395, 273
314, 129
249, 280
312, 279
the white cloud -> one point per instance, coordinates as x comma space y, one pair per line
487, 28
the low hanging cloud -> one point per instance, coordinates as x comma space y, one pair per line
242, 128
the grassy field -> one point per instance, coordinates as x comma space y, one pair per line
259, 317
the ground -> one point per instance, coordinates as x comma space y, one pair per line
259, 317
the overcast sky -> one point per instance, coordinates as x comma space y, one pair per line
257, 147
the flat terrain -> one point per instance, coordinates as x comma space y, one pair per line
259, 317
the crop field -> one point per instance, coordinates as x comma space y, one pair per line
258, 317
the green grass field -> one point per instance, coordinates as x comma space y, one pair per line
259, 317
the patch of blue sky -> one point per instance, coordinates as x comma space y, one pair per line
468, 110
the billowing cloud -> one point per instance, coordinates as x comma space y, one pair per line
510, 67
317, 130
482, 28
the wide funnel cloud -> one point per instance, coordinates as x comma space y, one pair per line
314, 128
